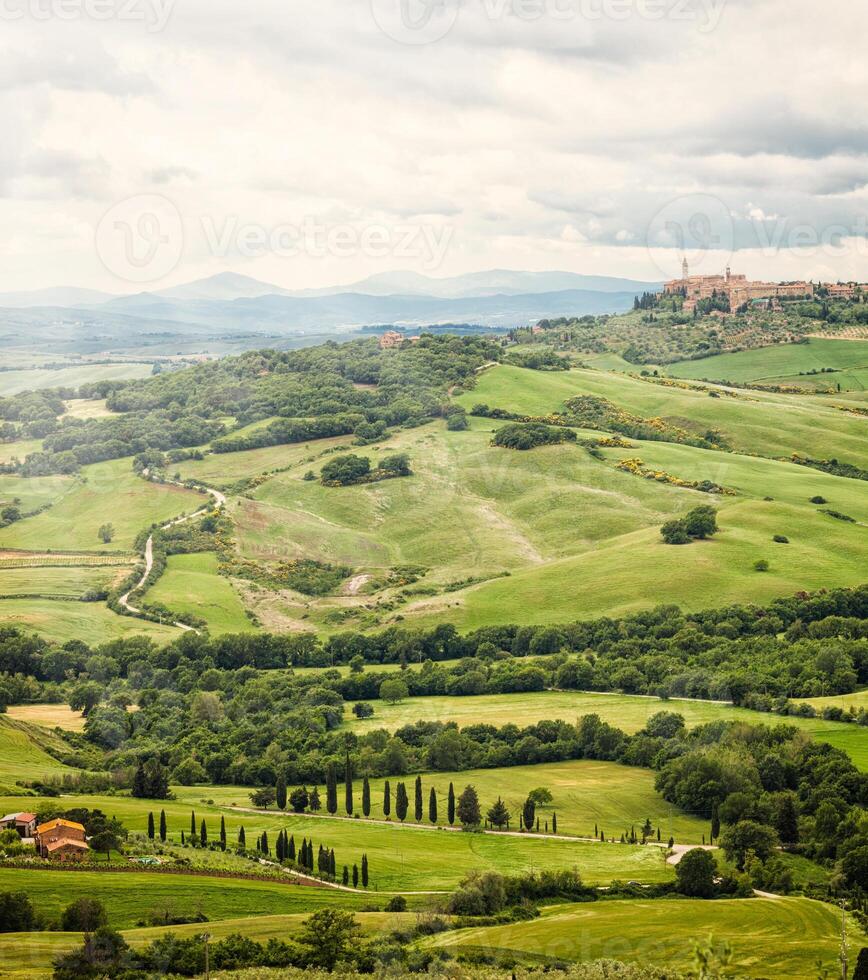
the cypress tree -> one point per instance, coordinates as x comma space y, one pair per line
320, 859
364, 870
280, 791
222, 833
314, 801
203, 833
417, 802
150, 825
715, 822
290, 850
182, 838
163, 829
265, 842
366, 797
140, 786
192, 825
450, 805
554, 823
331, 789
528, 813
332, 865
242, 838
346, 875
402, 803
432, 806
387, 799
278, 847
348, 786
355, 876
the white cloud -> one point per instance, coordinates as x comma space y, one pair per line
539, 139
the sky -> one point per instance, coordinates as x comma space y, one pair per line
313, 142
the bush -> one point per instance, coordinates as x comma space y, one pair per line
819, 500
761, 565
695, 873
16, 912
781, 539
397, 904
528, 436
83, 915
701, 522
345, 470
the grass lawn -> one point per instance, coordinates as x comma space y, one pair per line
625, 711
33, 492
780, 938
783, 361
87, 408
191, 584
18, 450
104, 492
857, 700
23, 753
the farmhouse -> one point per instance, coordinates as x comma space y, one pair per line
62, 840
23, 823
391, 338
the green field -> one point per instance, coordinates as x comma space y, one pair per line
191, 584
760, 422
627, 712
90, 622
23, 752
18, 450
102, 492
69, 582
782, 364
13, 382
34, 492
774, 938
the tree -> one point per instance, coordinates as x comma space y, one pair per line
364, 871
366, 797
695, 873
314, 801
151, 831
787, 820
528, 813
222, 833
417, 801
748, 835
106, 840
701, 522
468, 808
163, 829
280, 791
498, 815
393, 690
355, 876
861, 970
432, 806
203, 833
674, 532
263, 797
83, 915
554, 822
540, 796
387, 799
104, 954
242, 839
106, 533
402, 802
328, 935
16, 912
332, 789
192, 824
85, 697
346, 470
715, 822
299, 799
450, 805
348, 786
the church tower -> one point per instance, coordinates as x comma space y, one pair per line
684, 269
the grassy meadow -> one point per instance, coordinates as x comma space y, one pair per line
770, 937
32, 379
70, 582
191, 584
782, 364
102, 492
91, 622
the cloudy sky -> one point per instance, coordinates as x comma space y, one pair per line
308, 142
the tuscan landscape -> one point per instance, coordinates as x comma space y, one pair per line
433, 490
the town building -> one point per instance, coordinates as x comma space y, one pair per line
62, 840
24, 824
391, 338
736, 288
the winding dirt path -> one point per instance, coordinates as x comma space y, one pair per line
124, 600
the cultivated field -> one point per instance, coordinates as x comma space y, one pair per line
778, 937
13, 382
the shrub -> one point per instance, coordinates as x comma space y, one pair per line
528, 436
819, 500
695, 873
397, 904
83, 915
674, 532
781, 539
345, 470
761, 565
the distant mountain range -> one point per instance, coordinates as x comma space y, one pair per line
229, 303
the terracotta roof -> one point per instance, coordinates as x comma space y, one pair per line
21, 817
66, 842
44, 828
